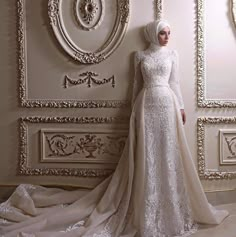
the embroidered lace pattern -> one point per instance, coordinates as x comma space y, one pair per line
166, 211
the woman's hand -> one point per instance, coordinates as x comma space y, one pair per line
183, 115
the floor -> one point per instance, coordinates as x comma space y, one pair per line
226, 229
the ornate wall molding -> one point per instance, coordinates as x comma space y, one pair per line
234, 11
53, 11
89, 78
22, 71
205, 173
105, 50
78, 146
89, 13
202, 101
158, 4
25, 169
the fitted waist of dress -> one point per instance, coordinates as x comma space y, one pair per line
156, 85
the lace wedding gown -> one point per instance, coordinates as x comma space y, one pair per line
155, 190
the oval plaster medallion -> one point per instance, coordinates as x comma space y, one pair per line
89, 14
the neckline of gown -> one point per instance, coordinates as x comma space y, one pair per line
156, 48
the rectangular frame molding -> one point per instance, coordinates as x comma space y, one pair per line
204, 173
22, 72
24, 169
202, 101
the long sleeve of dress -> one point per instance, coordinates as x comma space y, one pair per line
138, 80
174, 79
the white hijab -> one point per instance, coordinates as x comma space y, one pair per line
152, 29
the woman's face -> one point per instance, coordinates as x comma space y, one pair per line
163, 36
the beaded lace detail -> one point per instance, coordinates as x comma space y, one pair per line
159, 67
166, 204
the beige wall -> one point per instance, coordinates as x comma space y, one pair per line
47, 64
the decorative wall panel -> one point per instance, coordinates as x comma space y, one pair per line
65, 145
221, 68
220, 172
91, 151
42, 65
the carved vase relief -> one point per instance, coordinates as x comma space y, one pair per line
89, 15
72, 146
158, 9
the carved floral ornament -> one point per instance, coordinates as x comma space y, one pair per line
89, 78
89, 12
77, 146
231, 143
227, 141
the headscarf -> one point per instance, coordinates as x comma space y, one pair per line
152, 29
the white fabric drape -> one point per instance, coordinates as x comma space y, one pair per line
156, 163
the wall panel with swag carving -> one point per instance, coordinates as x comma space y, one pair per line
71, 146
216, 53
71, 55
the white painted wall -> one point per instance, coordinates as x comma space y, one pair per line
220, 77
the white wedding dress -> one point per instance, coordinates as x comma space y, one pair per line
155, 190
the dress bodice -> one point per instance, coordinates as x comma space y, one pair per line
159, 67
156, 67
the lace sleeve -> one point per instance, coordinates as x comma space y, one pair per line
138, 81
174, 79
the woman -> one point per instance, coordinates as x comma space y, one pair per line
155, 190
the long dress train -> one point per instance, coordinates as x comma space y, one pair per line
154, 191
